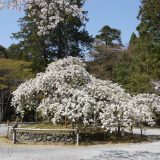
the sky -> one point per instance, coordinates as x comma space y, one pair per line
120, 14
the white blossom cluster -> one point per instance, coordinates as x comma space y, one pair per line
48, 13
67, 90
145, 105
13, 4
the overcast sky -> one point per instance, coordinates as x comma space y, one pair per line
120, 14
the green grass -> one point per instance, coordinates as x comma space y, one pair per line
45, 126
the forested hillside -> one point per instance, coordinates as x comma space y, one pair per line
138, 67
12, 74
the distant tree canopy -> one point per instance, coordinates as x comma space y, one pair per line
3, 52
107, 52
138, 66
109, 36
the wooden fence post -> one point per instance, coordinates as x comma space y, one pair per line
77, 137
14, 132
7, 122
7, 131
7, 128
14, 135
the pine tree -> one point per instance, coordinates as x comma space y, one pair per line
109, 35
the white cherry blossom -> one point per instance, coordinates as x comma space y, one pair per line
48, 13
67, 91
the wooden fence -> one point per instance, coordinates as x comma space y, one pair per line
14, 131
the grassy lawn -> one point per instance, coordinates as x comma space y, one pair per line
46, 126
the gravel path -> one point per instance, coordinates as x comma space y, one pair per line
147, 151
33, 152
143, 151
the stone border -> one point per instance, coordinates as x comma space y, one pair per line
69, 136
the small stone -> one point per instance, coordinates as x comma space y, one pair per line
57, 139
53, 139
69, 140
49, 138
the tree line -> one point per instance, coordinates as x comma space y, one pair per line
137, 66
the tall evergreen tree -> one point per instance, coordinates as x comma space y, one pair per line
68, 38
149, 15
31, 46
